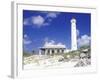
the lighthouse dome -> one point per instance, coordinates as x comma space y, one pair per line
73, 20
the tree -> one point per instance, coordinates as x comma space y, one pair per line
26, 54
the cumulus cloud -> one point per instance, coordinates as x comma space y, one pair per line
77, 32
26, 22
52, 14
39, 20
26, 39
52, 43
84, 40
49, 43
25, 36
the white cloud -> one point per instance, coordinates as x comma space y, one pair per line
77, 32
26, 39
38, 20
52, 43
52, 14
25, 36
46, 24
26, 22
84, 40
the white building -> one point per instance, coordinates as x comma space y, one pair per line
73, 34
52, 49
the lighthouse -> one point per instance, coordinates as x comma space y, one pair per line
73, 34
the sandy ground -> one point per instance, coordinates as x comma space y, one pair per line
55, 65
46, 63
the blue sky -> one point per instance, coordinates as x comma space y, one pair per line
41, 26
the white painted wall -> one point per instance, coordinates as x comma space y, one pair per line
73, 34
5, 41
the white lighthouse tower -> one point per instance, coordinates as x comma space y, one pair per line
73, 34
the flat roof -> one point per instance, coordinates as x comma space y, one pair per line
52, 48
